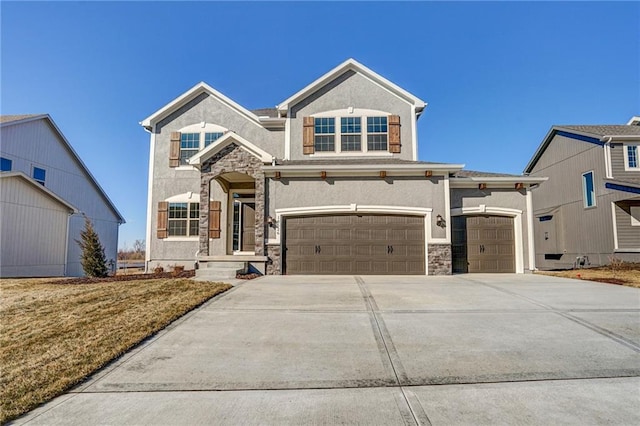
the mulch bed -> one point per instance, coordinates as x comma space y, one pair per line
132, 277
247, 276
610, 280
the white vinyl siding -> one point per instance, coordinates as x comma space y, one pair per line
35, 227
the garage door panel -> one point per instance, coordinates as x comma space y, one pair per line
354, 244
483, 244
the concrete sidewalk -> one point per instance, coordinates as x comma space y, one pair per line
466, 349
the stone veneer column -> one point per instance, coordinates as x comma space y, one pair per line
439, 257
231, 159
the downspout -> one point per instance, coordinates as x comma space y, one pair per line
530, 238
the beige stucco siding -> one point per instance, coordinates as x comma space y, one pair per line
351, 90
365, 191
503, 200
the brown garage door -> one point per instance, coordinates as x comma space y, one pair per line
483, 244
354, 244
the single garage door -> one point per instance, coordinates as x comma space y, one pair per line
354, 244
483, 244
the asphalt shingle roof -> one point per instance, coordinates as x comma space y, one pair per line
605, 129
10, 118
269, 112
353, 161
474, 173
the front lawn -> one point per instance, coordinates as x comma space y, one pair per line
627, 274
55, 332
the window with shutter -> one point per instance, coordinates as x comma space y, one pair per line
308, 135
174, 149
163, 219
394, 134
214, 219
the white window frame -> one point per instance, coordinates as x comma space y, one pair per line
625, 150
187, 197
363, 114
584, 189
202, 128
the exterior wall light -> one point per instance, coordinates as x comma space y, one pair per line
440, 221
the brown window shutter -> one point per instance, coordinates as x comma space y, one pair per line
394, 134
174, 150
214, 219
163, 219
308, 134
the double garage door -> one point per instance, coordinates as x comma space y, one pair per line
483, 244
354, 244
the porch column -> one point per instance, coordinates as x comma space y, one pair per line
258, 176
203, 230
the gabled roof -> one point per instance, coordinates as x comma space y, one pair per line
191, 94
12, 118
224, 141
598, 133
39, 187
32, 117
351, 65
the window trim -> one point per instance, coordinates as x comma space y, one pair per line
188, 219
584, 190
33, 175
625, 153
202, 129
363, 114
7, 161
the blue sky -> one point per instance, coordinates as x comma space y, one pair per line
496, 75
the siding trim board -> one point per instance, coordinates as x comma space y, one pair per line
623, 188
582, 138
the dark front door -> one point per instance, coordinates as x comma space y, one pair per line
483, 244
355, 244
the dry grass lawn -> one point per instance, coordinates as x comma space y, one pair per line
53, 335
625, 274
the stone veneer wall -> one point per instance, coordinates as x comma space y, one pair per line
273, 266
439, 257
232, 159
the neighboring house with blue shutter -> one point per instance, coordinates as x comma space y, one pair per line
46, 191
589, 211
327, 182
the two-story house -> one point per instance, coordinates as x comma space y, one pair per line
588, 213
327, 182
46, 192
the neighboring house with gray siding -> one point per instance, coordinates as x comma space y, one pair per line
46, 192
327, 182
589, 210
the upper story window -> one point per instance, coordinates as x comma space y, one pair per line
184, 219
350, 133
5, 164
359, 131
377, 133
325, 133
189, 146
631, 160
588, 190
39, 175
191, 139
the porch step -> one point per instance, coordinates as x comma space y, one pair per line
211, 271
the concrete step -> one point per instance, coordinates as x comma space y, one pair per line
223, 265
211, 274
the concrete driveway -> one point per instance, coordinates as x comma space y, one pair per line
466, 349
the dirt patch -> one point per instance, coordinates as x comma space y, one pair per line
247, 276
627, 274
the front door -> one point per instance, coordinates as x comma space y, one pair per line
248, 227
244, 222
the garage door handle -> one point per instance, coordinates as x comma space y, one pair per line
317, 249
481, 248
389, 249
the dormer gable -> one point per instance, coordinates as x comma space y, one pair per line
351, 65
224, 141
